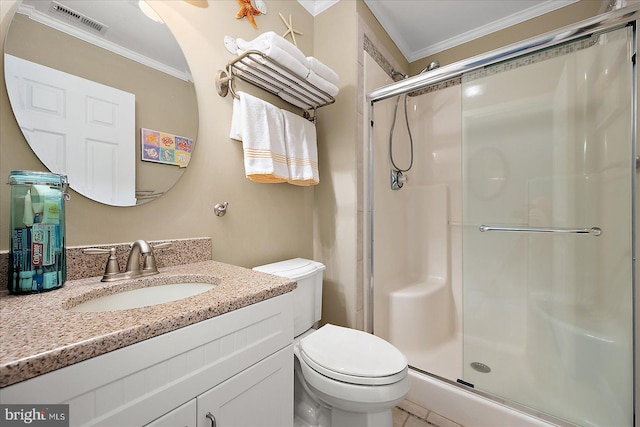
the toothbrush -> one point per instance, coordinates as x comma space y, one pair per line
26, 280
39, 192
27, 216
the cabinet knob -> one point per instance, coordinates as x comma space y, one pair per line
211, 418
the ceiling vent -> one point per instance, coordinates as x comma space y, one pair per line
77, 17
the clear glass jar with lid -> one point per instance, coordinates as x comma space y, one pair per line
37, 255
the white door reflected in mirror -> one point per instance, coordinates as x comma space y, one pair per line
115, 45
78, 128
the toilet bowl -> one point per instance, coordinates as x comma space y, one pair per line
343, 377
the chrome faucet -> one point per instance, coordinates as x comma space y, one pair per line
141, 250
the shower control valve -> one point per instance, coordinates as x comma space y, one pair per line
398, 179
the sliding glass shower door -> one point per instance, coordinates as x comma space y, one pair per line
548, 166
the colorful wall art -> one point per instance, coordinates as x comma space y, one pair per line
160, 147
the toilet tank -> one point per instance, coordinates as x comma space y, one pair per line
307, 296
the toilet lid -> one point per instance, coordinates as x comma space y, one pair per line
294, 269
353, 356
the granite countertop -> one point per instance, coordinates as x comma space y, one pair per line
38, 334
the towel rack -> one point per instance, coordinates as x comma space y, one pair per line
260, 70
593, 231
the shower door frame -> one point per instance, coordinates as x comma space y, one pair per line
619, 18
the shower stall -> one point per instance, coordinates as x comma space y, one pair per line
502, 266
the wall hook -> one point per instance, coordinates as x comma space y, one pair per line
220, 209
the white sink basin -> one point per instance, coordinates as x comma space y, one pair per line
143, 297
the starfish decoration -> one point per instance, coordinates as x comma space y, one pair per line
290, 30
247, 9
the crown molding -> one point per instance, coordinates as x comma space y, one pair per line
516, 18
316, 7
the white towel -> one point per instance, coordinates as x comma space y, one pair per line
236, 122
302, 150
322, 70
304, 102
265, 41
278, 49
262, 132
259, 74
281, 87
322, 84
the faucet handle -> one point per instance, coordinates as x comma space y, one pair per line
97, 251
163, 245
112, 268
149, 263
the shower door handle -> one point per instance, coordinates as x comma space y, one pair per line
594, 231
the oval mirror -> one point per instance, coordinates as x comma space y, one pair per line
103, 94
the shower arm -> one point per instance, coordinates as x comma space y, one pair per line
594, 231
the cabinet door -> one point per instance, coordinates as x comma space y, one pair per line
184, 415
261, 395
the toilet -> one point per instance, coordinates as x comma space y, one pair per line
343, 377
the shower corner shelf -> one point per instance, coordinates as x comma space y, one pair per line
258, 69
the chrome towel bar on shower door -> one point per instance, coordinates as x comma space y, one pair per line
594, 231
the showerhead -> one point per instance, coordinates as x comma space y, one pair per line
432, 66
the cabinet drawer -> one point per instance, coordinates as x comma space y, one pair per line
261, 396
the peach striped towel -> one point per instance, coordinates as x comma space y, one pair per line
262, 132
302, 150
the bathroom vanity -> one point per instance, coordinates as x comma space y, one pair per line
223, 357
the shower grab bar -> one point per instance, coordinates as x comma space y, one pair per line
594, 231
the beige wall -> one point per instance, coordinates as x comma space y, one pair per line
264, 222
340, 201
335, 240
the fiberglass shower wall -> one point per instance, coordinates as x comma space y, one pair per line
547, 144
417, 229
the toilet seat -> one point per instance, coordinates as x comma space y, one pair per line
353, 356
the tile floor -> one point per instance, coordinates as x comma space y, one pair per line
408, 414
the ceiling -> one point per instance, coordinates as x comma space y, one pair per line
424, 27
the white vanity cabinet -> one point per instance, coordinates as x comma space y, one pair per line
251, 398
182, 416
237, 366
